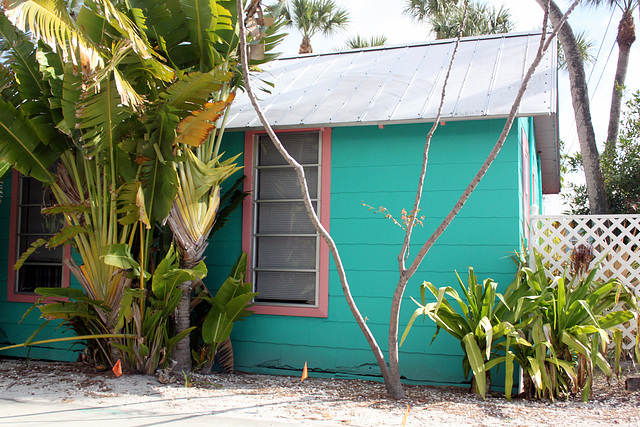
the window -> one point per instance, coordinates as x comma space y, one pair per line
45, 267
288, 259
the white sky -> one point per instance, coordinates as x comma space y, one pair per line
385, 17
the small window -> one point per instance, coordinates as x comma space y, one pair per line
45, 267
288, 258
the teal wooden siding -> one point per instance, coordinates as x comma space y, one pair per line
13, 332
380, 167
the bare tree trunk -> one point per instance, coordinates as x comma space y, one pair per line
626, 37
406, 274
391, 374
182, 349
392, 389
580, 97
396, 301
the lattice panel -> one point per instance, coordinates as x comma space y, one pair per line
615, 240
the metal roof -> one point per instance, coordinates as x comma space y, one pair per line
403, 84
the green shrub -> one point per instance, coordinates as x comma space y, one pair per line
557, 331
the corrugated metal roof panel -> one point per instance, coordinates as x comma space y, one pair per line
404, 83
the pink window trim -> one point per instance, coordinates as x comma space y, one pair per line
12, 295
325, 209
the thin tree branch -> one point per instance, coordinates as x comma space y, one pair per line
396, 301
543, 47
404, 252
310, 210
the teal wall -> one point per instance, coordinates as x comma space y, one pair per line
380, 167
12, 332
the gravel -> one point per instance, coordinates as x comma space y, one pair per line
327, 401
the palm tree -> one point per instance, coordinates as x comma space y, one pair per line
359, 42
626, 37
313, 16
585, 44
446, 16
580, 100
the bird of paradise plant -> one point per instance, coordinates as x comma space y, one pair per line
113, 97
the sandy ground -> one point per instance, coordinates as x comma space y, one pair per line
265, 400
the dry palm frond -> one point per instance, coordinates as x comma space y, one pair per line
224, 356
45, 21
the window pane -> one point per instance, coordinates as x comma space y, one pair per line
31, 277
282, 183
286, 287
286, 252
42, 254
284, 218
281, 218
31, 191
32, 220
302, 146
43, 268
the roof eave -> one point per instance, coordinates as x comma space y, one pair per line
548, 148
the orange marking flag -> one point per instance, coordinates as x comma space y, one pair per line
305, 373
404, 420
117, 368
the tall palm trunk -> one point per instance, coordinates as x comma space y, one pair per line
191, 218
182, 350
305, 46
191, 253
626, 37
580, 98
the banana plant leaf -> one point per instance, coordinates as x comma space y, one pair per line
168, 276
230, 304
20, 144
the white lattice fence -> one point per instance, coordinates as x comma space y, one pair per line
615, 240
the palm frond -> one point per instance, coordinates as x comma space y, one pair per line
159, 185
102, 115
166, 24
202, 18
191, 92
49, 22
8, 86
23, 61
35, 74
313, 16
71, 93
227, 39
131, 203
360, 42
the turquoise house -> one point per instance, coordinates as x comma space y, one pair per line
357, 121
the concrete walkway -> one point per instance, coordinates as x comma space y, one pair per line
14, 412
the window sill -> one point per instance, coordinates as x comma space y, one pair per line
280, 310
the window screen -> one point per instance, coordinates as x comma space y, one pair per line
44, 267
285, 244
